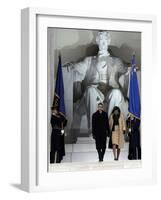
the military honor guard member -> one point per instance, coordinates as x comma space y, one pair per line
58, 122
133, 124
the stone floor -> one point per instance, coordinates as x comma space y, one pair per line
85, 151
83, 156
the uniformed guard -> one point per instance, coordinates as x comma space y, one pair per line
134, 138
58, 122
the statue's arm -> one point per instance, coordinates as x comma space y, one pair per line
121, 66
123, 90
79, 69
121, 70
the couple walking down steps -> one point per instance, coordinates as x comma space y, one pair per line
114, 128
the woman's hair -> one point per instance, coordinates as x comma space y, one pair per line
116, 108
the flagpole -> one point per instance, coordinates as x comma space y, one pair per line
59, 53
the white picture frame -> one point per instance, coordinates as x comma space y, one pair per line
34, 166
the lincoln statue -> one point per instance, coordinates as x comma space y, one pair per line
97, 79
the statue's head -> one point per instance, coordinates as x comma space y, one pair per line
103, 40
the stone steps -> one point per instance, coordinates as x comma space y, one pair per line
91, 156
87, 147
85, 151
85, 140
95, 165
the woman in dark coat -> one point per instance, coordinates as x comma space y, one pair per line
58, 122
134, 138
100, 130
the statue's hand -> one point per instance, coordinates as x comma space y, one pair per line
69, 66
113, 83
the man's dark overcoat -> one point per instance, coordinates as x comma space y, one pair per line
100, 129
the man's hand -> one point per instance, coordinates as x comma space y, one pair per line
62, 132
93, 136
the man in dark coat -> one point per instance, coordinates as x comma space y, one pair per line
134, 138
58, 122
100, 130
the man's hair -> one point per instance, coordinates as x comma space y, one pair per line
100, 104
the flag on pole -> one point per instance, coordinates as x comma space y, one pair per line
134, 95
59, 90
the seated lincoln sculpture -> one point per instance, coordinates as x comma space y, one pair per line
96, 79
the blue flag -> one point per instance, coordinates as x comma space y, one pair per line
134, 96
59, 90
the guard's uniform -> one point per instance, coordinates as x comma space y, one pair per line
57, 139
